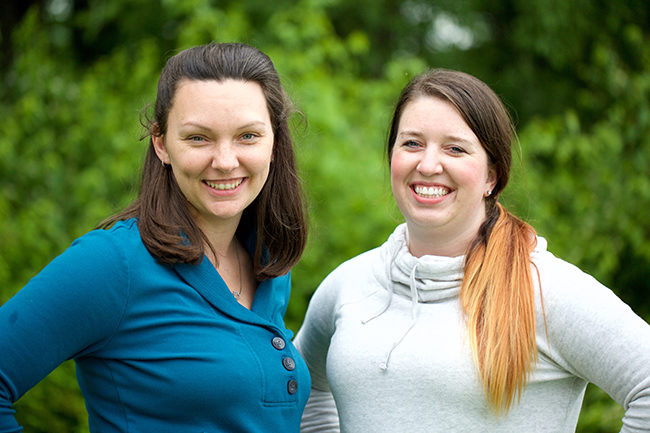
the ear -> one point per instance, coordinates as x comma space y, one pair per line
491, 181
158, 141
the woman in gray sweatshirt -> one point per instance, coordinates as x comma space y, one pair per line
463, 321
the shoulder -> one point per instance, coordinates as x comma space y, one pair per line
365, 274
559, 277
352, 268
120, 240
121, 232
569, 294
357, 272
103, 255
350, 282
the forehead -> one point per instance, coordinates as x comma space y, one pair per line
434, 114
206, 99
219, 88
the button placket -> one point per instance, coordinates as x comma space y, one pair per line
287, 362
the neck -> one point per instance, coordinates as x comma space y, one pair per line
221, 237
423, 241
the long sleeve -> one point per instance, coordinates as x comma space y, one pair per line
313, 341
69, 308
597, 337
151, 339
584, 333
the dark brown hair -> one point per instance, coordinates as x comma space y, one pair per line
277, 217
497, 291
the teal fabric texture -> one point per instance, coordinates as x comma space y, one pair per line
158, 347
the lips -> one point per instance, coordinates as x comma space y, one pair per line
430, 191
224, 185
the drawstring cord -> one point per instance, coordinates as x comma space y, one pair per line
389, 276
414, 308
414, 294
414, 305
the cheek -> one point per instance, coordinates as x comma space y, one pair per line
190, 160
398, 167
258, 162
475, 176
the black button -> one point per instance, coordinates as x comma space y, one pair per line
288, 363
278, 343
292, 386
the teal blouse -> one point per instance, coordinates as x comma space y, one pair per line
158, 348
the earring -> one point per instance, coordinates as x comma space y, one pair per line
489, 192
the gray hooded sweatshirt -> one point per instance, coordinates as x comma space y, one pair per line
387, 346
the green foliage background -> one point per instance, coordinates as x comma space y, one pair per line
576, 75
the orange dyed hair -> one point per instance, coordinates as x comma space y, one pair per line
497, 293
498, 300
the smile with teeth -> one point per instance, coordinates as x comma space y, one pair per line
430, 191
224, 185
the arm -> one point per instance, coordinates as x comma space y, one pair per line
65, 311
599, 338
313, 340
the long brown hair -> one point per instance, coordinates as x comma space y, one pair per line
497, 293
277, 217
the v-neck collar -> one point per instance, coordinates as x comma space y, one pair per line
205, 279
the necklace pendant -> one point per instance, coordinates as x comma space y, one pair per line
236, 294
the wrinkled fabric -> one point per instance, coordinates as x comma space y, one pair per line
158, 348
584, 333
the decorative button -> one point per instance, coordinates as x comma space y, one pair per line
289, 363
292, 386
278, 343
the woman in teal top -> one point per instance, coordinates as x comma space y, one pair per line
173, 309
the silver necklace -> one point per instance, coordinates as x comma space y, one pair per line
237, 294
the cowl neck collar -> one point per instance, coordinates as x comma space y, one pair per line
426, 279
435, 278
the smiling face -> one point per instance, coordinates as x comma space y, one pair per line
219, 142
440, 177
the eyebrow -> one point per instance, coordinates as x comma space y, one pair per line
254, 123
416, 133
451, 137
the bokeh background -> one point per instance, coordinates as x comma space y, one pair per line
76, 74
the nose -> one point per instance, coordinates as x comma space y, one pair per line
224, 157
430, 162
